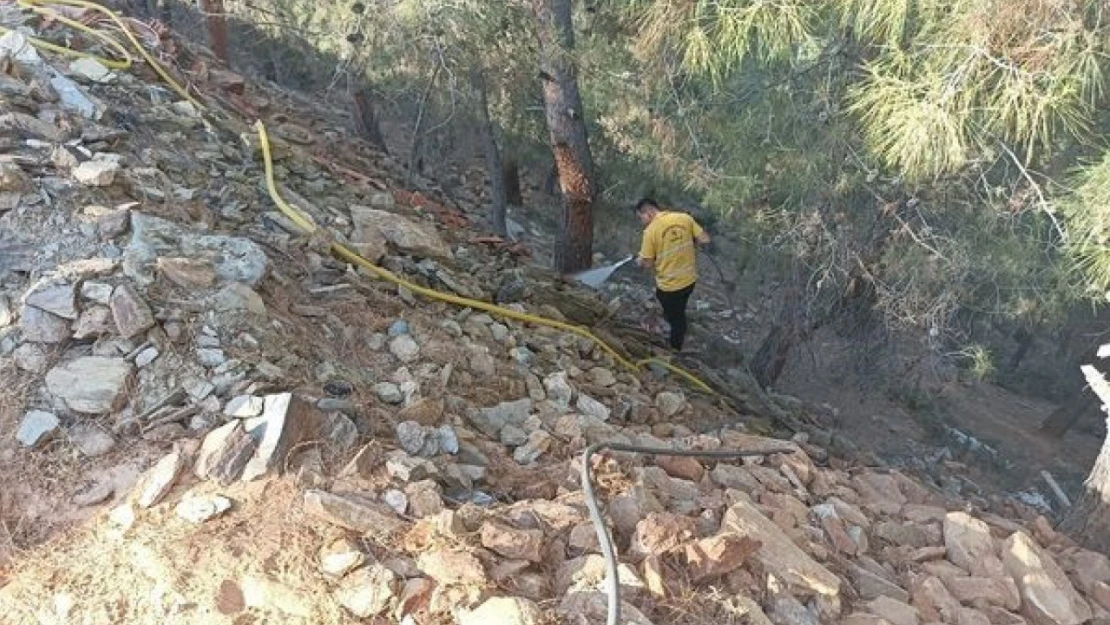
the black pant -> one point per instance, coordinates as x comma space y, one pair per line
674, 311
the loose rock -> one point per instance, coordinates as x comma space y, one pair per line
92, 384
37, 428
200, 508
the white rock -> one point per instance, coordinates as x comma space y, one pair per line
340, 557
244, 406
1048, 597
160, 479
503, 611
367, 591
96, 172
36, 428
97, 292
146, 357
968, 541
397, 500
200, 508
404, 347
92, 70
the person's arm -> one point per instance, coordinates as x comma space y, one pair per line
646, 257
700, 235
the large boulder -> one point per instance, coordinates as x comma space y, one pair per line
373, 226
92, 384
1048, 598
234, 259
968, 541
778, 554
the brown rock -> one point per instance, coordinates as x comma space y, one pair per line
718, 555
188, 273
654, 577
778, 554
1100, 593
872, 586
131, 312
660, 532
917, 513
934, 602
1088, 568
848, 512
999, 616
861, 618
416, 595
512, 543
925, 554
681, 467
968, 541
427, 412
896, 612
1047, 594
969, 616
879, 492
1002, 592
1044, 531
368, 517
898, 533
834, 529
583, 538
94, 322
943, 569
425, 498
286, 421
452, 568
731, 476
502, 611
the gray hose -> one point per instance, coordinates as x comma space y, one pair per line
613, 615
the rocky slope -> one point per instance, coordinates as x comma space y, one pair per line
206, 420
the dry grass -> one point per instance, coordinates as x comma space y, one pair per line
165, 570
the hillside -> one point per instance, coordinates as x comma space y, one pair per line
208, 418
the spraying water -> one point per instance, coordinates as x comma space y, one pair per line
598, 275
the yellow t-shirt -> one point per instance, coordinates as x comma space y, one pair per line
669, 241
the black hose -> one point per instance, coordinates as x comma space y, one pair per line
613, 616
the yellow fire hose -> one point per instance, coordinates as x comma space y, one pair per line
295, 215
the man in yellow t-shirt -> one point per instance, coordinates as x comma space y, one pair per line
668, 249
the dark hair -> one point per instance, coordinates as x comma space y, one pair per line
644, 203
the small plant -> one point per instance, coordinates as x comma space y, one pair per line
977, 360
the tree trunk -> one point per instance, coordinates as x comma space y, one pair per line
510, 180
216, 25
1079, 403
1024, 338
566, 124
366, 119
1068, 414
493, 156
771, 357
1088, 522
551, 181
